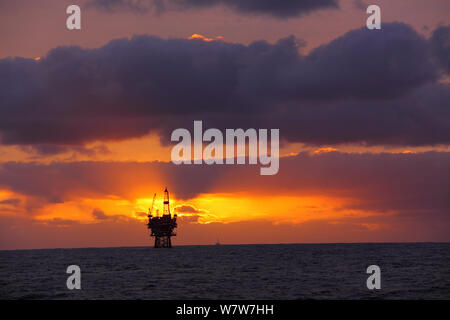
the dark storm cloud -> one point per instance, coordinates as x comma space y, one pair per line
135, 6
365, 86
420, 118
364, 65
278, 9
413, 185
441, 44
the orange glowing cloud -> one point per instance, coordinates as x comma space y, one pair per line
324, 150
199, 36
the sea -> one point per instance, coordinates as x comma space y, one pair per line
269, 272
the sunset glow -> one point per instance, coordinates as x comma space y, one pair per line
87, 118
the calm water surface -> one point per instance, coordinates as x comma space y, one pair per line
303, 271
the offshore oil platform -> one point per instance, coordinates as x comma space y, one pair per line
162, 227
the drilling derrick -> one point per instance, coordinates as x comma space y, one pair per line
162, 227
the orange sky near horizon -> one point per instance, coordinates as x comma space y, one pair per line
132, 199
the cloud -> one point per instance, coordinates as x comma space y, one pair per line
276, 9
440, 41
414, 185
12, 202
188, 209
58, 222
360, 4
199, 36
52, 149
134, 6
365, 86
99, 214
141, 214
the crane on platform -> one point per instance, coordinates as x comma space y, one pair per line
150, 210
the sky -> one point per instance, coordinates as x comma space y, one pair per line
86, 118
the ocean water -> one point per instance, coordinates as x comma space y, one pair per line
297, 271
